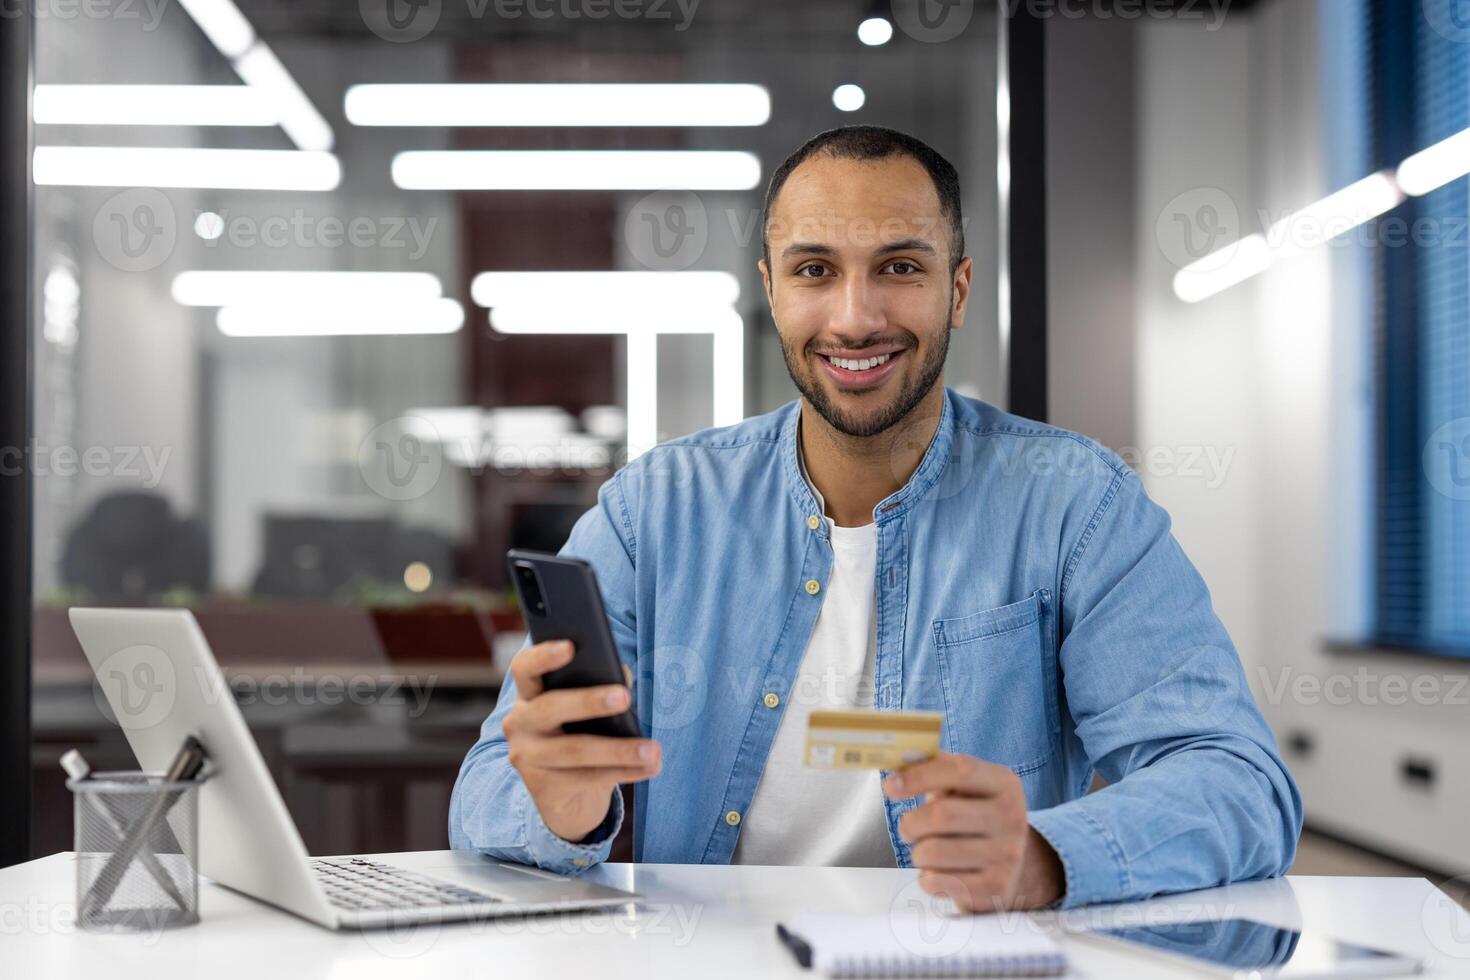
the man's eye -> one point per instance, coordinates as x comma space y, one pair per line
902, 268
812, 271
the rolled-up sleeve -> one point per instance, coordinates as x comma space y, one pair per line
1198, 794
491, 810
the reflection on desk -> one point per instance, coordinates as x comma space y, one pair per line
695, 920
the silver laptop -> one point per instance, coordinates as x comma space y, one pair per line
163, 684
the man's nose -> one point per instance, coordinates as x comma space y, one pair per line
859, 313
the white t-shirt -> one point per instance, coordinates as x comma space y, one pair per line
831, 817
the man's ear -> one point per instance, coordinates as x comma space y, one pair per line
962, 277
765, 278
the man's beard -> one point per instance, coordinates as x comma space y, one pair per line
891, 414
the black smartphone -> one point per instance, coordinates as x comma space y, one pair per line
560, 601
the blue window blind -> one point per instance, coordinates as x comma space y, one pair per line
1419, 94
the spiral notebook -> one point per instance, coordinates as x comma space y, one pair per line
921, 945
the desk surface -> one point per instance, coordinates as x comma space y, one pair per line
694, 920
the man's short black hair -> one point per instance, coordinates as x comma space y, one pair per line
876, 143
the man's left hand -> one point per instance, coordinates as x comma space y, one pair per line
970, 837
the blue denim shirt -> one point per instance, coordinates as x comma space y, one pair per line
1026, 587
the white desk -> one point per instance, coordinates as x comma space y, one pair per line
694, 921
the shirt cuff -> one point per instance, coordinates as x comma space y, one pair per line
1094, 865
555, 853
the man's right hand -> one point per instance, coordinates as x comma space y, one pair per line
571, 778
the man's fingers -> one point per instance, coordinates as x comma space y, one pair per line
527, 666
552, 709
965, 853
947, 772
949, 815
591, 751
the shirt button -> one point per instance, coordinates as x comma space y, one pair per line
580, 862
772, 700
813, 522
732, 818
813, 586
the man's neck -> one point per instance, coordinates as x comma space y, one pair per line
854, 473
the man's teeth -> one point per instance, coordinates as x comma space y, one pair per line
862, 364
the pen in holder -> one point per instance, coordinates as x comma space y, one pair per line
137, 850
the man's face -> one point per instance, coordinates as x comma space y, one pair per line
861, 288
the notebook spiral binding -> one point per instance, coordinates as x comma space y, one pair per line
999, 965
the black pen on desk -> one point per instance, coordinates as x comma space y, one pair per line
77, 768
185, 766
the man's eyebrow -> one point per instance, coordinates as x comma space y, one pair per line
817, 248
909, 245
808, 248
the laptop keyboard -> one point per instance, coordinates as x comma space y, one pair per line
366, 886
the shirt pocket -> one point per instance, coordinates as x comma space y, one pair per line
999, 680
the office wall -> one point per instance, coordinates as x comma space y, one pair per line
1270, 375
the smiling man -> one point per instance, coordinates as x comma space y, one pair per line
885, 543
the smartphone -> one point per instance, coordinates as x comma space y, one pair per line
561, 601
1245, 948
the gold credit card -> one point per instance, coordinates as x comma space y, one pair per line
871, 739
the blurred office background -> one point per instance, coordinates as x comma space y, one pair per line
317, 402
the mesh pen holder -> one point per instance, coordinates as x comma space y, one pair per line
137, 851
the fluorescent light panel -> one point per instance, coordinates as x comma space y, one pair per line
587, 318
605, 289
1339, 213
1213, 273
558, 105
152, 105
224, 25
293, 288
566, 170
260, 69
132, 166
438, 316
1435, 166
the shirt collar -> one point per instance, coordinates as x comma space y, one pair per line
931, 467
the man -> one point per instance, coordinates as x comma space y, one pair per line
886, 543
